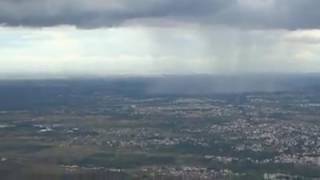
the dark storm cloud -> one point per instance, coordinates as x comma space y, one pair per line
96, 13
287, 14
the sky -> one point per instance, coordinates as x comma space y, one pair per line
155, 37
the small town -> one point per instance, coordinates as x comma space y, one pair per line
265, 136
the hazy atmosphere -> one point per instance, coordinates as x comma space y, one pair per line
159, 89
43, 38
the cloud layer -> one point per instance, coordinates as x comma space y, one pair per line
103, 37
280, 14
157, 50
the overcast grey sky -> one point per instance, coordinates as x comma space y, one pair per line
142, 37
